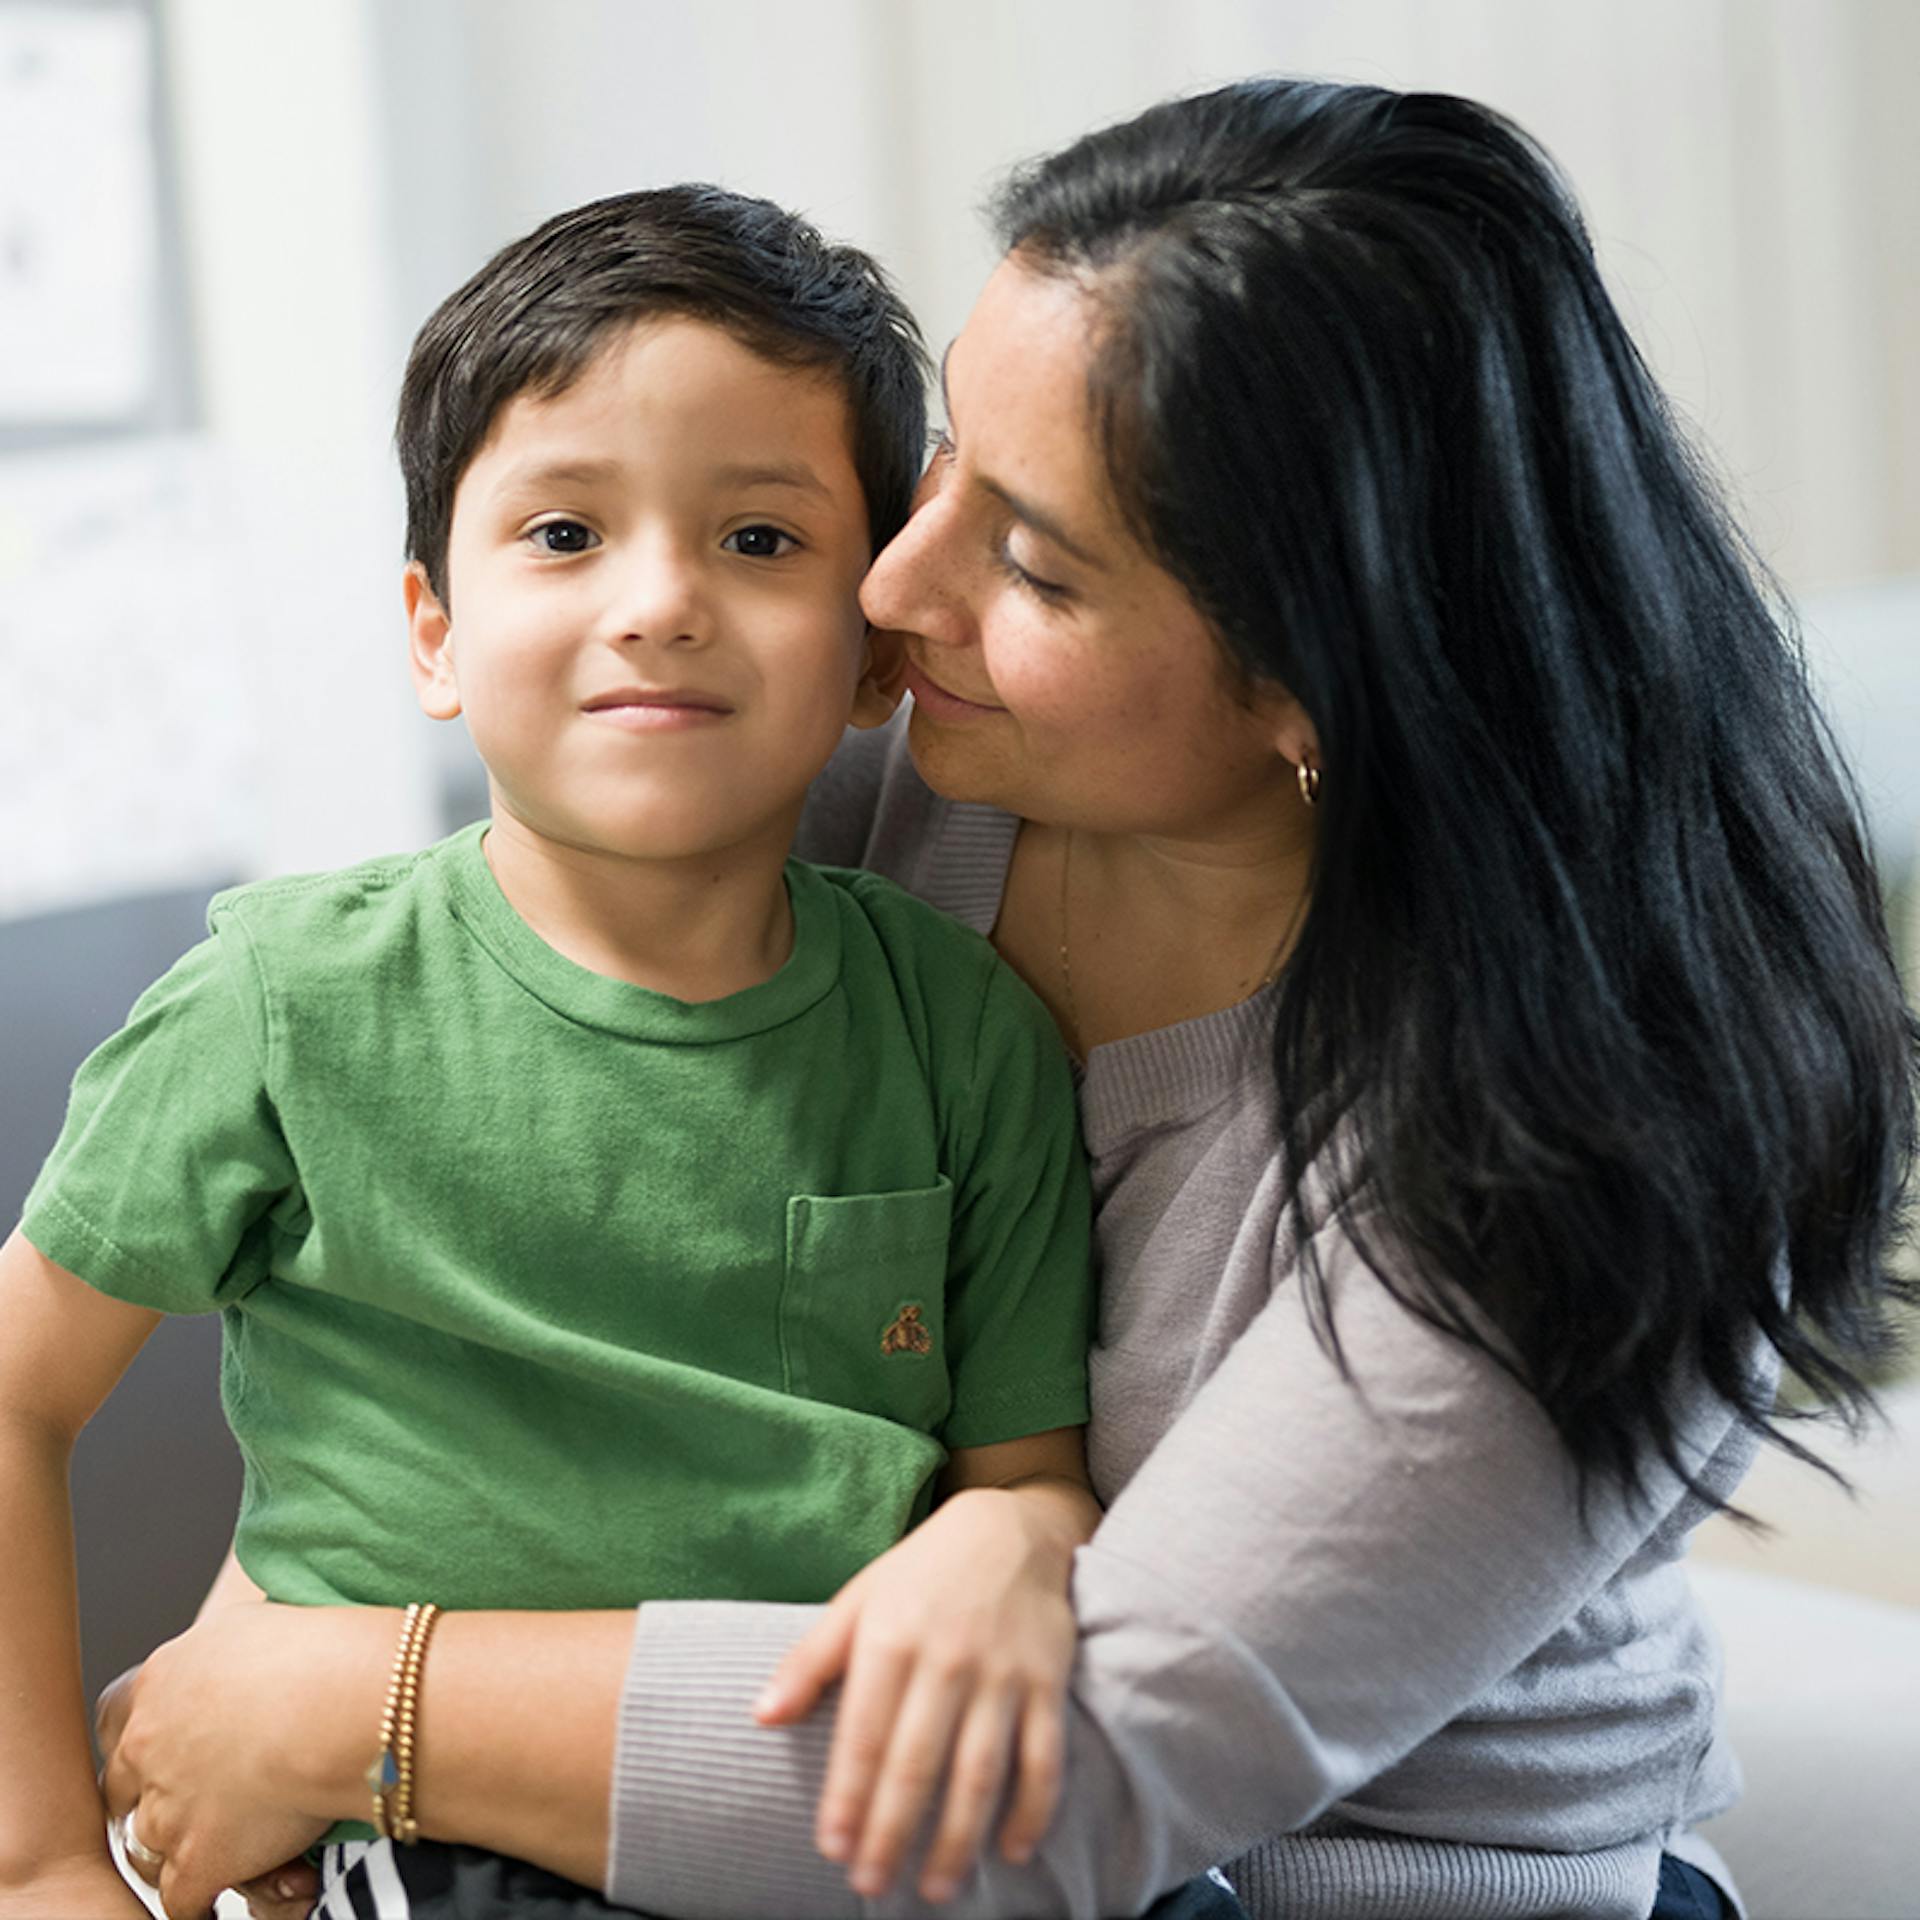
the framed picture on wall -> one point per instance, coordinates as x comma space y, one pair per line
91, 320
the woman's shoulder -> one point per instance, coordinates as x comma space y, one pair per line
869, 808
844, 801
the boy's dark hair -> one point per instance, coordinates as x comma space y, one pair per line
536, 314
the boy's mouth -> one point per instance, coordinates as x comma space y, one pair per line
653, 709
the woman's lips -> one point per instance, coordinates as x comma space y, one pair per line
935, 698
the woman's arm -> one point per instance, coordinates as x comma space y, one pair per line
963, 1611
1308, 1577
260, 1718
517, 1719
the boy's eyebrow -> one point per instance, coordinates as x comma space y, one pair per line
556, 473
794, 473
1038, 518
589, 473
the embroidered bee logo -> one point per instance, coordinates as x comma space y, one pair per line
908, 1334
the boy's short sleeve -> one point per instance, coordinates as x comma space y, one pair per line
159, 1189
1020, 1307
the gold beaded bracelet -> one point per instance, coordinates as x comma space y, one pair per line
391, 1774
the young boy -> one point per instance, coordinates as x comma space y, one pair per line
603, 1206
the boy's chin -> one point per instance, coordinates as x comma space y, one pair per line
657, 841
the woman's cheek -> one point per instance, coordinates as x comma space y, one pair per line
1047, 676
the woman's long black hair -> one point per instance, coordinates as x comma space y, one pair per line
1596, 968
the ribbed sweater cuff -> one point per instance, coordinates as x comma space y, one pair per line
686, 1719
1359, 1876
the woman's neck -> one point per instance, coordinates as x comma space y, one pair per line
1121, 934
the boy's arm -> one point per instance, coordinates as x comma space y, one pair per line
1048, 1471
64, 1348
955, 1648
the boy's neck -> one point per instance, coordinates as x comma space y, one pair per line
697, 929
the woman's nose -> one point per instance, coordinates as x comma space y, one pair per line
914, 583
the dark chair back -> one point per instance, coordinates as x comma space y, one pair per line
156, 1478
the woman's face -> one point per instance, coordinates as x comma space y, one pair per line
1057, 670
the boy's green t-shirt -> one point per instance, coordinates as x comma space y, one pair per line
543, 1290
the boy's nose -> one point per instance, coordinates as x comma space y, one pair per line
660, 601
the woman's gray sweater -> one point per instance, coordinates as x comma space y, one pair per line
1363, 1615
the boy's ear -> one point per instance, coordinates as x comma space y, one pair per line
883, 680
429, 646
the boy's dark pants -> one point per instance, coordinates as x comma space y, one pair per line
467, 1883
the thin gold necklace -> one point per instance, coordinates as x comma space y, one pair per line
1066, 959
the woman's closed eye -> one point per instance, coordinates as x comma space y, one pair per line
760, 543
1051, 592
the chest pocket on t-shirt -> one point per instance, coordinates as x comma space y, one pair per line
863, 1302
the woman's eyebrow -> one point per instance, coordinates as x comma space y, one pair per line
1021, 508
1041, 522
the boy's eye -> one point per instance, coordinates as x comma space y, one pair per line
562, 536
760, 543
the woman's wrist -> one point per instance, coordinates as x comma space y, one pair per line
339, 1663
514, 1738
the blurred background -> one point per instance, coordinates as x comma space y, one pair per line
221, 222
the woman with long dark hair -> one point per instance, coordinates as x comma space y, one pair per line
1341, 693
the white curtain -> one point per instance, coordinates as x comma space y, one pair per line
1749, 168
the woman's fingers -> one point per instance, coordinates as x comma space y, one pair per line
157, 1852
183, 1895
869, 1704
142, 1857
1037, 1792
111, 1709
812, 1665
915, 1759
287, 1893
979, 1770
118, 1787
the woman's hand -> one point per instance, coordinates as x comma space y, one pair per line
287, 1892
956, 1646
195, 1739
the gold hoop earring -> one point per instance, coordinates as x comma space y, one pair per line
1309, 783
